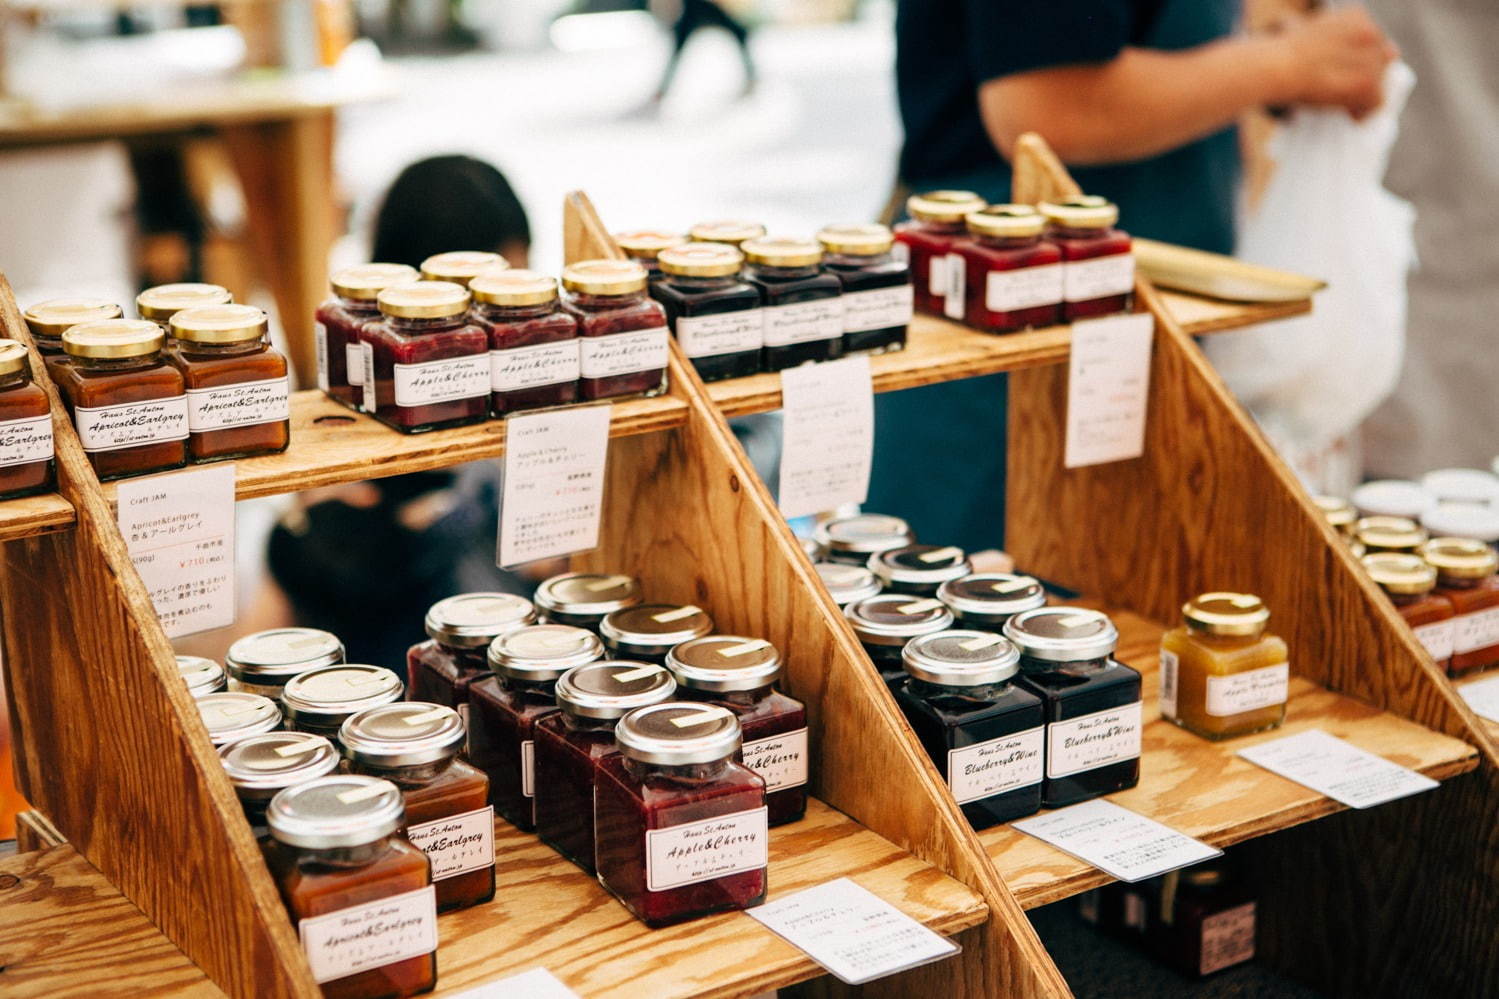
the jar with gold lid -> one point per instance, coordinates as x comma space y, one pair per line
25, 426
1013, 275
624, 342
49, 320
644, 246
533, 342
1465, 576
160, 303
877, 294
1409, 581
1098, 263
713, 313
340, 355
426, 366
734, 232
238, 391
938, 278
1339, 513
803, 305
1382, 533
461, 266
1222, 674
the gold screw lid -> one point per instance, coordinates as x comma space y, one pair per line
12, 357
424, 300
461, 266
783, 251
646, 244
365, 281
1339, 512
943, 206
857, 240
114, 338
701, 260
517, 287
604, 277
219, 324
1006, 221
1401, 574
1086, 211
1228, 614
1390, 534
56, 316
731, 231
166, 300
1460, 558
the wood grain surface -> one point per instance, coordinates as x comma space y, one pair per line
34, 831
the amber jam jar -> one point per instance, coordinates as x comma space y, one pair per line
937, 270
803, 306
644, 246
319, 700
1093, 709
49, 320
1382, 533
740, 674
262, 663
261, 765
461, 266
415, 745
25, 426
1098, 262
358, 893
1409, 582
919, 570
238, 393
1340, 514
984, 601
161, 303
504, 709
457, 654
680, 827
887, 622
1465, 576
571, 742
877, 292
425, 365
715, 316
852, 540
985, 734
233, 715
584, 599
533, 344
340, 354
647, 632
733, 232
624, 336
847, 584
201, 676
1222, 674
1013, 276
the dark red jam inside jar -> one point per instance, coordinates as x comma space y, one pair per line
887, 622
852, 540
570, 744
936, 224
647, 632
644, 246
680, 828
803, 305
740, 674
1098, 263
715, 316
340, 353
425, 366
504, 710
261, 765
1013, 276
25, 426
456, 654
919, 570
624, 338
238, 389
1092, 703
584, 599
49, 320
984, 601
533, 344
877, 294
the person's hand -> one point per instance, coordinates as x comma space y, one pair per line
1337, 59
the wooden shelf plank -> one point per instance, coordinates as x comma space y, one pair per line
33, 515
1198, 316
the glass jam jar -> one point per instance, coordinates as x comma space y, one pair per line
852, 540
359, 895
1393, 498
504, 709
1383, 533
49, 320
415, 745
456, 655
340, 353
1093, 710
680, 827
1205, 920
919, 570
847, 584
714, 315
937, 271
1098, 262
803, 306
425, 365
1222, 674
984, 601
1014, 277
733, 232
877, 295
533, 344
238, 392
461, 266
161, 303
232, 715
985, 734
1465, 576
262, 663
320, 700
740, 674
201, 676
127, 403
26, 465
1340, 514
647, 632
887, 622
644, 246
584, 599
623, 333
259, 766
1409, 581
571, 742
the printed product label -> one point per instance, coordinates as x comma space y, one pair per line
725, 333
320, 348
901, 252
702, 851
1083, 280
528, 768
531, 367
109, 428
1477, 630
1092, 741
354, 361
1026, 288
624, 353
1227, 938
1169, 668
936, 275
1258, 688
362, 937
367, 365
457, 844
780, 759
24, 441
442, 381
996, 766
1439, 637
803, 322
239, 405
877, 309
956, 303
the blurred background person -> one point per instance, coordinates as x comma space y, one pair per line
687, 17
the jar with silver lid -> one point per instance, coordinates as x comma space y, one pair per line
847, 584
919, 569
201, 675
319, 700
853, 539
261, 765
459, 631
262, 663
648, 632
231, 715
887, 622
986, 600
582, 599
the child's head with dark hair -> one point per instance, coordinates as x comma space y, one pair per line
450, 203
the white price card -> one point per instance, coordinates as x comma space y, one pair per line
1108, 385
538, 983
553, 489
1483, 697
828, 436
1123, 844
1338, 769
179, 530
852, 932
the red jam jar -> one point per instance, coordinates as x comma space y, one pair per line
127, 403
584, 599
461, 266
624, 343
852, 540
847, 584
238, 392
340, 354
25, 426
887, 622
321, 700
425, 365
714, 315
680, 827
259, 766
919, 570
647, 632
984, 601
803, 306
1409, 581
264, 662
359, 895
570, 744
504, 709
740, 674
877, 291
732, 232
233, 715
644, 246
1465, 577
201, 676
1098, 263
533, 344
456, 655
161, 303
937, 223
415, 746
1013, 276
49, 320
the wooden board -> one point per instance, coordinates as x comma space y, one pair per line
32, 515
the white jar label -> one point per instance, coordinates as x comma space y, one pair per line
534, 366
877, 309
1248, 691
367, 383
803, 322
725, 333
900, 253
1093, 741
132, 424
442, 381
781, 759
936, 275
320, 347
1439, 638
956, 303
1475, 631
994, 767
624, 353
242, 405
25, 441
1084, 280
1025, 288
528, 768
1227, 938
354, 361
703, 851
457, 844
1169, 669
362, 937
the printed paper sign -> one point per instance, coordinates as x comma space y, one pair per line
538, 983
828, 436
1340, 770
1483, 697
553, 489
1108, 385
1123, 844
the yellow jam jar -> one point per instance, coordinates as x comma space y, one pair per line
1222, 674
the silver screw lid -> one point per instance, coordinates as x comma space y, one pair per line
587, 594
920, 564
277, 655
863, 534
961, 658
341, 810
847, 583
405, 734
1062, 634
724, 663
677, 734
653, 629
330, 694
611, 689
261, 765
473, 620
202, 676
996, 593
896, 618
231, 715
543, 651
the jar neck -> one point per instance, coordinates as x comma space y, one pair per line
739, 698
236, 349
409, 326
499, 313
1406, 599
974, 692
774, 273
1008, 242
588, 300
687, 774
1208, 638
360, 306
15, 379
343, 856
113, 364
48, 343
1060, 231
535, 689
946, 228
413, 775
697, 283
1031, 665
474, 657
577, 723
848, 260
1455, 583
